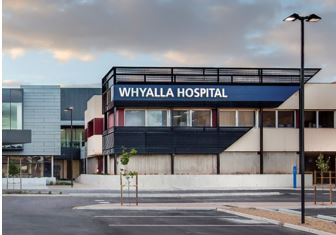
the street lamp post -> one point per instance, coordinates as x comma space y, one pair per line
70, 109
310, 18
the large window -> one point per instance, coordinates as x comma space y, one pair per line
285, 119
310, 119
269, 118
181, 117
11, 115
326, 119
135, 118
227, 118
246, 118
157, 118
77, 137
201, 118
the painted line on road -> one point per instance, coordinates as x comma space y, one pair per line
191, 225
162, 216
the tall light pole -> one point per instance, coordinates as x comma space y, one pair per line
309, 18
70, 109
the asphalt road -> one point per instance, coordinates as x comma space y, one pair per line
54, 215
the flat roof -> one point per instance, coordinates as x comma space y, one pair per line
222, 75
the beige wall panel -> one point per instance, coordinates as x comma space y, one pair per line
239, 163
94, 145
195, 164
148, 164
92, 165
280, 162
317, 96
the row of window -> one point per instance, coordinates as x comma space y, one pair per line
227, 118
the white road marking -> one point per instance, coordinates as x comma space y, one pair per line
162, 216
180, 195
99, 200
190, 225
244, 221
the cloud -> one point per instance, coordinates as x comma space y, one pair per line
174, 32
66, 55
15, 52
10, 83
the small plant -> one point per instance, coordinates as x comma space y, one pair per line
126, 155
13, 169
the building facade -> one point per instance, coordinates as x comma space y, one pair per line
36, 130
92, 155
214, 120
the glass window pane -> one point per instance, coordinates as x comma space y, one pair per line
156, 118
135, 118
201, 118
269, 118
181, 117
310, 119
227, 118
246, 118
5, 115
285, 118
16, 116
326, 119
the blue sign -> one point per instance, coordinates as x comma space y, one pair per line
201, 93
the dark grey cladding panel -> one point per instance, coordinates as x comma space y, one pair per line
167, 140
12, 95
77, 98
16, 136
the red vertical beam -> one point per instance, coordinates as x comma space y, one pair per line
121, 117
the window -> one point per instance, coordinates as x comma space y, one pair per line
246, 118
285, 118
181, 118
310, 119
134, 117
227, 118
5, 115
201, 118
12, 115
157, 118
326, 119
77, 137
269, 118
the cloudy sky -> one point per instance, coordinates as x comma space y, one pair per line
75, 42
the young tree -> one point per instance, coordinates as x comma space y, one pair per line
322, 164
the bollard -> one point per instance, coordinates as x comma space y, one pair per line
294, 176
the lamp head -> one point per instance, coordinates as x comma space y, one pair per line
292, 17
68, 109
313, 18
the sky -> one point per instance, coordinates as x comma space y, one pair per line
76, 42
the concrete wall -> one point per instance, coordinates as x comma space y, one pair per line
27, 183
41, 111
195, 164
200, 182
239, 163
280, 162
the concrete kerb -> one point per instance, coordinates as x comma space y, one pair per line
287, 225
